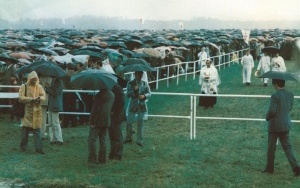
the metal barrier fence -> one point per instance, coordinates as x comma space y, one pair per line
193, 118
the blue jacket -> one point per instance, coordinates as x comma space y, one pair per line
278, 114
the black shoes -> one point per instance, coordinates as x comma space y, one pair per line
56, 143
40, 152
140, 144
267, 171
128, 141
296, 171
265, 85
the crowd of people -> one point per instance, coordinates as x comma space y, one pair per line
44, 98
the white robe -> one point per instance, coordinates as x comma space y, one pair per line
264, 65
248, 64
209, 85
278, 64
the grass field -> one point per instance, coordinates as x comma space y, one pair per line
225, 153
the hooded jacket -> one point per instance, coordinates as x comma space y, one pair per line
33, 111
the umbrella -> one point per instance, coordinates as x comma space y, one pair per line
92, 48
20, 55
271, 49
47, 51
279, 75
22, 70
47, 68
117, 45
133, 61
150, 51
88, 52
137, 67
5, 57
94, 79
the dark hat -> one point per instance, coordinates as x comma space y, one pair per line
5, 57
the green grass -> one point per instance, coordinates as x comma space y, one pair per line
224, 154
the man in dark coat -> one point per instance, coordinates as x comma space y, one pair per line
279, 126
99, 124
55, 105
118, 115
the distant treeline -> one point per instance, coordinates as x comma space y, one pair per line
93, 22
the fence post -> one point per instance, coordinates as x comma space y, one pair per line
157, 76
191, 119
177, 76
194, 116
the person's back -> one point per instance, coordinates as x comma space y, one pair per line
279, 114
100, 115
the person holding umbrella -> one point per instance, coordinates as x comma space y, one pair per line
279, 125
55, 105
278, 63
264, 65
138, 91
118, 115
100, 121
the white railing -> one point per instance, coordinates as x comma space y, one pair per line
190, 68
193, 108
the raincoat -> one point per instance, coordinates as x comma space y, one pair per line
33, 111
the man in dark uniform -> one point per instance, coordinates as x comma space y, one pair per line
279, 125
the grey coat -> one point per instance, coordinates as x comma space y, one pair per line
55, 91
278, 114
134, 101
100, 114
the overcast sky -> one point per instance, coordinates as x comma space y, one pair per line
14, 10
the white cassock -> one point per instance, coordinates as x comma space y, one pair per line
264, 65
202, 59
248, 64
278, 64
209, 80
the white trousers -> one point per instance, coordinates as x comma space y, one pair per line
247, 71
54, 127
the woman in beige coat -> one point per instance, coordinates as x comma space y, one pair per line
32, 120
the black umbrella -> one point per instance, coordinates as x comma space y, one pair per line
279, 75
22, 70
117, 45
5, 57
94, 79
47, 68
271, 49
138, 67
133, 61
88, 52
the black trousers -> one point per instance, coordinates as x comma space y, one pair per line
116, 140
286, 146
95, 133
